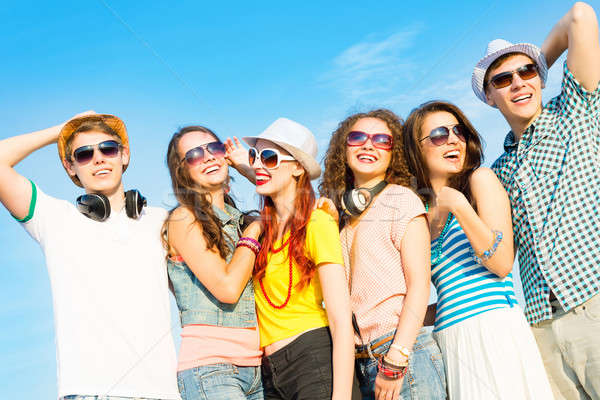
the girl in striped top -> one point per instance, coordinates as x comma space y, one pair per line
487, 346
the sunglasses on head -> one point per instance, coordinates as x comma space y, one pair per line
439, 136
196, 155
85, 154
505, 79
381, 141
269, 158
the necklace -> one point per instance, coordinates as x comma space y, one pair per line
289, 293
436, 253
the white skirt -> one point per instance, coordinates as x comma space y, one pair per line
493, 356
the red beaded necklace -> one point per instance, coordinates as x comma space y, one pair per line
289, 294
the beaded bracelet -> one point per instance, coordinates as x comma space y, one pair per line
390, 372
393, 363
249, 239
249, 243
490, 252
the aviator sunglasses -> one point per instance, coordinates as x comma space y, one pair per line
440, 135
381, 141
196, 155
108, 148
269, 158
505, 79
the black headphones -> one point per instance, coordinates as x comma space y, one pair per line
97, 206
355, 201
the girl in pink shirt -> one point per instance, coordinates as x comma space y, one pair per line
385, 241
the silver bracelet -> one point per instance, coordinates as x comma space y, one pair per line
486, 255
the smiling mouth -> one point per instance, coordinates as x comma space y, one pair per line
521, 98
102, 172
366, 158
453, 155
261, 179
211, 169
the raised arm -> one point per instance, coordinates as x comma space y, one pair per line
237, 157
15, 189
493, 213
576, 31
224, 280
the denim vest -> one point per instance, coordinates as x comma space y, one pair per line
196, 304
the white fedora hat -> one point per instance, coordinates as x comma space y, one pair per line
296, 139
499, 47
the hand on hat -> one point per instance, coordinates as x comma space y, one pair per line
83, 114
56, 129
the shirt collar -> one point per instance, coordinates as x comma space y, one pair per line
511, 143
230, 214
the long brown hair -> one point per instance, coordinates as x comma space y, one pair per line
338, 177
193, 197
414, 154
303, 207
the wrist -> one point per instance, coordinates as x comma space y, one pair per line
396, 356
249, 243
461, 206
390, 371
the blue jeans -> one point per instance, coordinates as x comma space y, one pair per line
425, 378
220, 381
83, 397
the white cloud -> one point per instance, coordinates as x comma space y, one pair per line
372, 67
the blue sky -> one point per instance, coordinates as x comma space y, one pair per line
235, 68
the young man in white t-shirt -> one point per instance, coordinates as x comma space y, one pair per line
107, 266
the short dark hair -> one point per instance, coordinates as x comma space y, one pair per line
89, 126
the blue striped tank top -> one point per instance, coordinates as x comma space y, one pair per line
465, 288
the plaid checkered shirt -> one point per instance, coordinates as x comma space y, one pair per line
552, 176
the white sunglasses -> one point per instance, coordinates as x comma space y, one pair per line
269, 158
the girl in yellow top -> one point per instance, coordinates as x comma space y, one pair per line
302, 301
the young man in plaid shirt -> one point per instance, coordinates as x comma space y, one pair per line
551, 171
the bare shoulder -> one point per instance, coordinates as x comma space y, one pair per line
485, 183
180, 216
483, 175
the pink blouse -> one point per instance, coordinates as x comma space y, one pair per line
373, 262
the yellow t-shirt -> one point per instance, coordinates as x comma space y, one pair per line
304, 310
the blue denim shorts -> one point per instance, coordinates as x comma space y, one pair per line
84, 397
220, 381
425, 378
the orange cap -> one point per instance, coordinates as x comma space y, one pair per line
67, 131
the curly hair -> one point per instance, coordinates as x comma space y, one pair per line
416, 161
194, 198
338, 177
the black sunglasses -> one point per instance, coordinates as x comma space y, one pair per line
505, 79
85, 154
439, 136
196, 155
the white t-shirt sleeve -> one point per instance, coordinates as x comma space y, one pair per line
45, 212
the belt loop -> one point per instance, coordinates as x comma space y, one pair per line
371, 356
